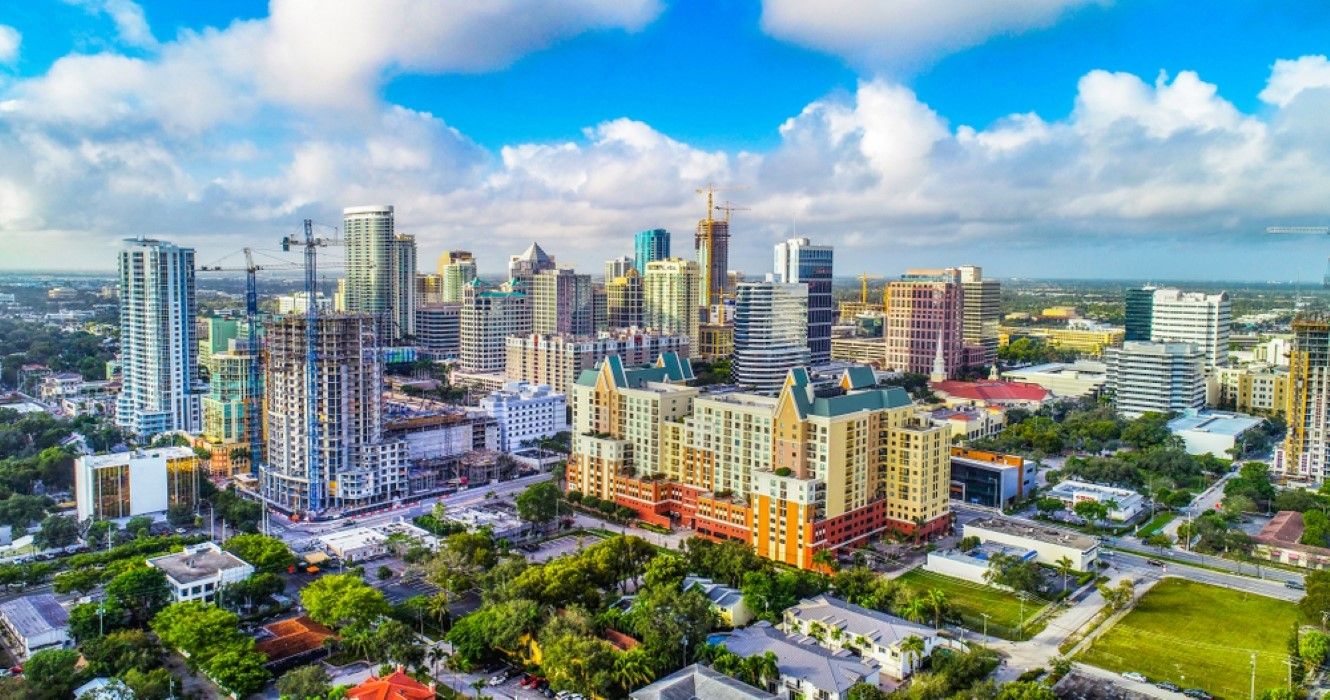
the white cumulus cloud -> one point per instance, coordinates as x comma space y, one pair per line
10, 38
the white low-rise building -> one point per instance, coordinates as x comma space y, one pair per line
142, 482
33, 623
1080, 378
972, 565
200, 571
356, 544
1212, 432
1049, 543
526, 412
838, 626
1123, 504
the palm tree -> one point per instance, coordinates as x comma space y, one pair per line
825, 559
915, 609
937, 600
478, 685
759, 668
437, 605
912, 648
632, 670
1065, 568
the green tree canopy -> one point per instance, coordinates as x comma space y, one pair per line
339, 600
265, 553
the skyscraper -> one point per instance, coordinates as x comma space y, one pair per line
924, 320
456, 269
770, 332
370, 265
523, 266
800, 262
403, 287
623, 301
160, 375
649, 245
670, 303
1139, 309
617, 267
712, 243
1193, 317
561, 302
1305, 453
982, 311
488, 317
342, 461
1155, 377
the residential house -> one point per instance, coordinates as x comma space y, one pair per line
875, 636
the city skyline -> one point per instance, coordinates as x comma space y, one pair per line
957, 143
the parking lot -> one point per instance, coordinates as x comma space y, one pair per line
560, 546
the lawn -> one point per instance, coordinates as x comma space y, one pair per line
1157, 523
1200, 636
970, 600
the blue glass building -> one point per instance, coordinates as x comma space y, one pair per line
652, 244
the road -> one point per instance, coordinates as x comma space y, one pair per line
1269, 587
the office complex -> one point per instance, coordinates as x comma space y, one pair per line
770, 333
141, 482
525, 413
524, 266
403, 304
670, 301
488, 317
1086, 338
623, 301
1305, 454
439, 329
332, 457
558, 360
561, 302
1204, 320
649, 245
160, 383
813, 468
923, 328
457, 268
1138, 304
800, 262
981, 313
370, 265
618, 267
1155, 377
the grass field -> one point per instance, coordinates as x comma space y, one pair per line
971, 600
1157, 523
1200, 636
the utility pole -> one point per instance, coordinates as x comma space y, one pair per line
1253, 676
985, 615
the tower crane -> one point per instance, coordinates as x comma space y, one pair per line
863, 286
1322, 230
729, 207
311, 245
253, 402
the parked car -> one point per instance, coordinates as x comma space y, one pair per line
1197, 693
1167, 685
1154, 562
1295, 585
500, 678
1134, 676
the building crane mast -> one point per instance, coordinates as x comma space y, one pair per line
311, 244
727, 207
863, 286
253, 402
1321, 230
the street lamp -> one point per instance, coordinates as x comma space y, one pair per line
985, 616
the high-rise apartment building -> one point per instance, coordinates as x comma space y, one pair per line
670, 300
808, 470
618, 267
649, 245
1305, 453
1138, 309
923, 328
770, 333
160, 383
488, 317
799, 261
558, 360
524, 266
226, 407
341, 461
457, 268
439, 330
712, 243
623, 301
403, 306
1193, 317
981, 314
1155, 377
371, 265
561, 302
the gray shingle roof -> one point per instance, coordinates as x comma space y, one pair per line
35, 614
824, 669
699, 683
858, 621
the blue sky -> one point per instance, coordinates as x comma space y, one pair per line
1061, 138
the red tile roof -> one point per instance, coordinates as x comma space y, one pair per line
1285, 528
991, 390
395, 686
292, 636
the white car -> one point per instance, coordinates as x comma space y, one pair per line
499, 679
1134, 676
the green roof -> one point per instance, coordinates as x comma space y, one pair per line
674, 369
867, 400
861, 377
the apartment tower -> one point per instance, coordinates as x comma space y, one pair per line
800, 262
456, 269
924, 322
770, 332
652, 244
670, 302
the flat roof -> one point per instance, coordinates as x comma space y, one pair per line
1071, 485
103, 460
1039, 533
1216, 422
350, 539
196, 563
35, 614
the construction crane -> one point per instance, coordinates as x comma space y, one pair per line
728, 207
311, 244
863, 286
1322, 230
253, 402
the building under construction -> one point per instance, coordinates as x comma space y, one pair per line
353, 466
1306, 449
